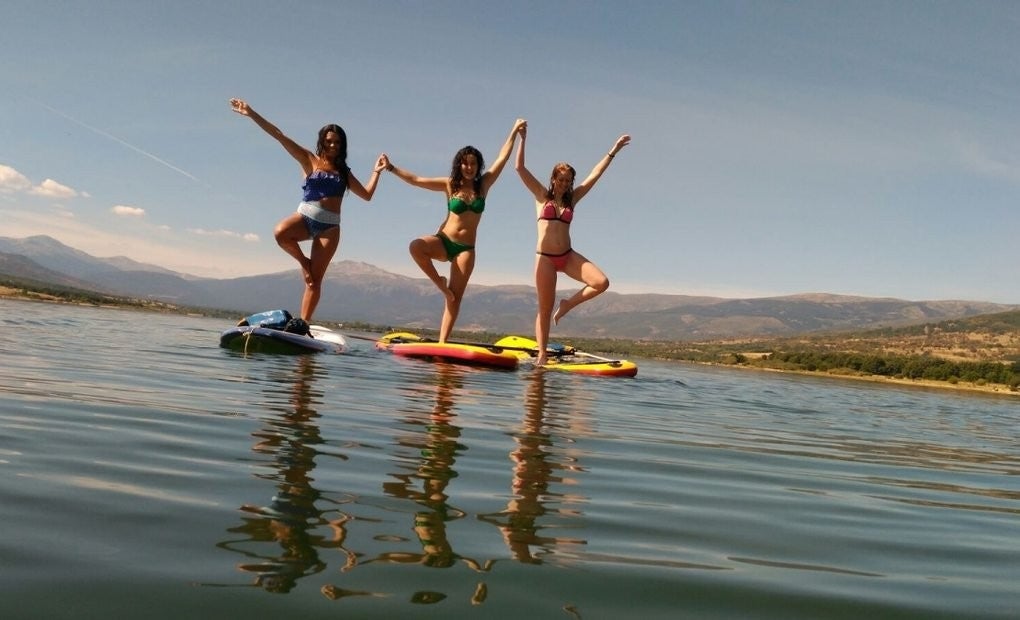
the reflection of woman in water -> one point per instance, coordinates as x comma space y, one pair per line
537, 462
438, 447
290, 521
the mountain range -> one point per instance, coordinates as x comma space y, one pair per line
360, 292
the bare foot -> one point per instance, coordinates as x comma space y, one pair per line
541, 361
560, 312
306, 272
450, 297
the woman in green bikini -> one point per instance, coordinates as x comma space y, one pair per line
465, 189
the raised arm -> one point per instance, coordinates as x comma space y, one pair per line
367, 191
303, 156
496, 168
436, 184
533, 185
596, 172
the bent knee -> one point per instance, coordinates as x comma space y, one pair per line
284, 235
601, 285
417, 247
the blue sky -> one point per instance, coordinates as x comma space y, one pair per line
859, 148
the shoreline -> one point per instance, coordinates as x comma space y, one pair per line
993, 389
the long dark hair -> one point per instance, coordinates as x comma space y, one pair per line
340, 161
457, 178
568, 196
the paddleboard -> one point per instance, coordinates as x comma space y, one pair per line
567, 359
264, 333
474, 354
601, 368
250, 339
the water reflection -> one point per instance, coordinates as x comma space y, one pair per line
542, 458
281, 540
428, 450
433, 437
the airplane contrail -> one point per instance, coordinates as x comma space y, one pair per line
121, 142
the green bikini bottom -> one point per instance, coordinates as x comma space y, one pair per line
452, 247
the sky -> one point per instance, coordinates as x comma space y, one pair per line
856, 148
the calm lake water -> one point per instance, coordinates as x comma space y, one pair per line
145, 472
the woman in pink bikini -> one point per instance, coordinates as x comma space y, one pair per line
555, 210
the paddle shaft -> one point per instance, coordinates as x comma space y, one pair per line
485, 345
565, 350
491, 345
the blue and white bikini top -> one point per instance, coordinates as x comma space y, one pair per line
324, 184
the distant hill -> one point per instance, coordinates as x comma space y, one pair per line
27, 269
355, 291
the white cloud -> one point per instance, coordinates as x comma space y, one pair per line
51, 189
128, 211
12, 181
977, 158
224, 233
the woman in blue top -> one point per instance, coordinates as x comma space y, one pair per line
317, 218
465, 189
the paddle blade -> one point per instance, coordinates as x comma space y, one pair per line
517, 342
520, 342
399, 337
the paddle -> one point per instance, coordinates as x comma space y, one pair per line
506, 344
553, 349
521, 343
360, 337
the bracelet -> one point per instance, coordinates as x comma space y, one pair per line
610, 155
389, 168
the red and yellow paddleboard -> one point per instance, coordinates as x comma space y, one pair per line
411, 345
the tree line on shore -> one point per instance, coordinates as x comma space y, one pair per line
820, 358
895, 366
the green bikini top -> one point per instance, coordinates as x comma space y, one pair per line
458, 206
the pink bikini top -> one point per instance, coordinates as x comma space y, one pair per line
549, 213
